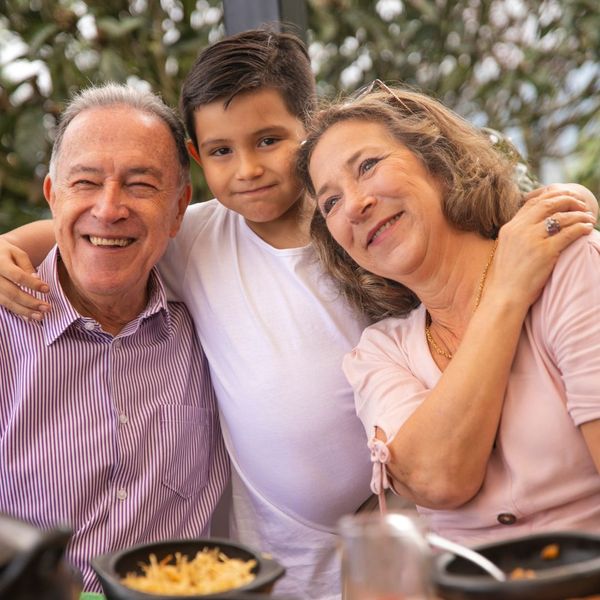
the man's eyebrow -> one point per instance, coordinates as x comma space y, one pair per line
141, 170
152, 171
79, 168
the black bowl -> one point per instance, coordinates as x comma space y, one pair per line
574, 573
111, 568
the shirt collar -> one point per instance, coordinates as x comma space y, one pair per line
63, 316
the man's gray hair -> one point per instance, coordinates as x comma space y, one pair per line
114, 94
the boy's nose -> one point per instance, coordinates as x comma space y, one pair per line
109, 206
249, 167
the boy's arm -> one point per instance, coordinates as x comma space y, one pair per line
18, 250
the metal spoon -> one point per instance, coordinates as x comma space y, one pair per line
487, 565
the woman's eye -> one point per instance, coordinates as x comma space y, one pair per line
328, 204
367, 164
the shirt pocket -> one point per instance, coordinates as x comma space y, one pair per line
186, 437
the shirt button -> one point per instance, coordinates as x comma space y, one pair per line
507, 519
116, 344
122, 494
89, 325
123, 418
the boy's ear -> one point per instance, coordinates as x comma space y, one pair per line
193, 152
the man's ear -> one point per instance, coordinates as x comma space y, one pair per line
182, 203
193, 152
48, 193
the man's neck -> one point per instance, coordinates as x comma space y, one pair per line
112, 313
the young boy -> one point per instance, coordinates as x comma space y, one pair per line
272, 326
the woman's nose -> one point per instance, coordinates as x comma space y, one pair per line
358, 205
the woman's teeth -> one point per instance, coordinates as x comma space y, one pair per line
385, 226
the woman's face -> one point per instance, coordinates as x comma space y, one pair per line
379, 201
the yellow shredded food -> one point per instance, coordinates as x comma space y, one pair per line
209, 572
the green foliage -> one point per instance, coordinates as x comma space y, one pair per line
529, 68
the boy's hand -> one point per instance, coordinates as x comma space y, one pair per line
16, 271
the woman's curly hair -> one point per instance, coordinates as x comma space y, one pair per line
480, 194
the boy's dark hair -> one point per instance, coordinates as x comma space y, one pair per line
245, 62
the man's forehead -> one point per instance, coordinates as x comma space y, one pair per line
104, 117
122, 134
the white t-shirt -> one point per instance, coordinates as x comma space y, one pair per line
274, 331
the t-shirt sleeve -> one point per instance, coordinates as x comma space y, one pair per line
571, 312
173, 264
386, 392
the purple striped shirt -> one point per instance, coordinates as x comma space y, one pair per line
116, 436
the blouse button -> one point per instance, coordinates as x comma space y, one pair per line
507, 519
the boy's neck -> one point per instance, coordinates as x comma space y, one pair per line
291, 230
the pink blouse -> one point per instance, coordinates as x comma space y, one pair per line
540, 475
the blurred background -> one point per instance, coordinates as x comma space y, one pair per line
528, 68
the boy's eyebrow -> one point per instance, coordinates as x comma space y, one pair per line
271, 129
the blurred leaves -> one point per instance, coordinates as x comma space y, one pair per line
529, 68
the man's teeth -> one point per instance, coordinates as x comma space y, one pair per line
385, 226
100, 241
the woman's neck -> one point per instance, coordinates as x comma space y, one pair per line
452, 292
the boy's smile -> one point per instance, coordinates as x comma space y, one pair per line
247, 152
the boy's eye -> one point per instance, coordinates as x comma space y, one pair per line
366, 165
328, 204
220, 151
268, 141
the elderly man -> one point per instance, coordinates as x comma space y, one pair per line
107, 414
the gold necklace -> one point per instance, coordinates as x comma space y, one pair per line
482, 280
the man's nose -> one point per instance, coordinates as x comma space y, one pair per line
110, 203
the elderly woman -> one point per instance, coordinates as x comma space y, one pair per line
480, 390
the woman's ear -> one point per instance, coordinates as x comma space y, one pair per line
193, 152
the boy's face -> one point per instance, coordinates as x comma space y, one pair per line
247, 152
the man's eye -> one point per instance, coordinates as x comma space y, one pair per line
84, 183
328, 205
366, 165
141, 188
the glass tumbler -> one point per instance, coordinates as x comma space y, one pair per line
384, 557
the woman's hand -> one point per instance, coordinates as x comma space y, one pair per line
577, 191
551, 219
17, 272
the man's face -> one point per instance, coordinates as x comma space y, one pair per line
116, 199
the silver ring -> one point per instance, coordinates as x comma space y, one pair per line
552, 226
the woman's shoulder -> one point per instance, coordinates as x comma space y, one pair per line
393, 334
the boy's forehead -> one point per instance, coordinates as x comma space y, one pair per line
249, 112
